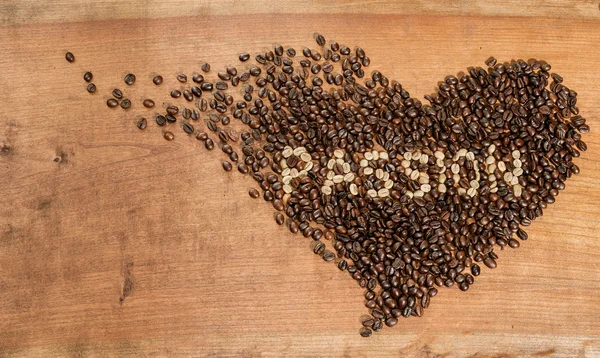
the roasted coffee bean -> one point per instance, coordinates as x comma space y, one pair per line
475, 270
254, 193
320, 40
161, 120
328, 255
182, 78
142, 123
175, 93
157, 80
490, 262
148, 103
188, 128
117, 93
365, 332
88, 76
173, 110
205, 67
169, 136
279, 219
129, 79
227, 166
91, 88
209, 144
70, 57
125, 103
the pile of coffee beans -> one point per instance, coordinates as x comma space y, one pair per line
406, 197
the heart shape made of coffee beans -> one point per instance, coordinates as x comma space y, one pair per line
409, 197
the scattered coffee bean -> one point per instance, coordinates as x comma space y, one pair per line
125, 103
130, 79
70, 57
112, 103
169, 136
91, 88
117, 93
148, 103
142, 123
253, 193
88, 76
157, 80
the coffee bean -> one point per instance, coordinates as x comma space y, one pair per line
148, 103
117, 93
157, 80
365, 332
209, 144
129, 79
475, 270
490, 262
188, 128
169, 136
205, 67
87, 77
91, 88
320, 40
175, 93
125, 103
182, 78
142, 123
244, 57
279, 219
161, 120
254, 193
328, 255
70, 57
227, 166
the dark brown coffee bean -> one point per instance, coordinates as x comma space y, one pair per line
88, 76
490, 262
227, 166
148, 103
242, 168
475, 270
365, 332
117, 93
320, 40
91, 88
157, 80
328, 255
70, 57
188, 128
279, 219
169, 136
209, 144
253, 193
175, 93
161, 120
142, 123
205, 67
129, 79
125, 103
491, 62
182, 78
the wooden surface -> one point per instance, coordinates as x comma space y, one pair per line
92, 207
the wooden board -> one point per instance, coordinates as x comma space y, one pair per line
91, 205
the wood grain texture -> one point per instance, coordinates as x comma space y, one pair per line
91, 205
